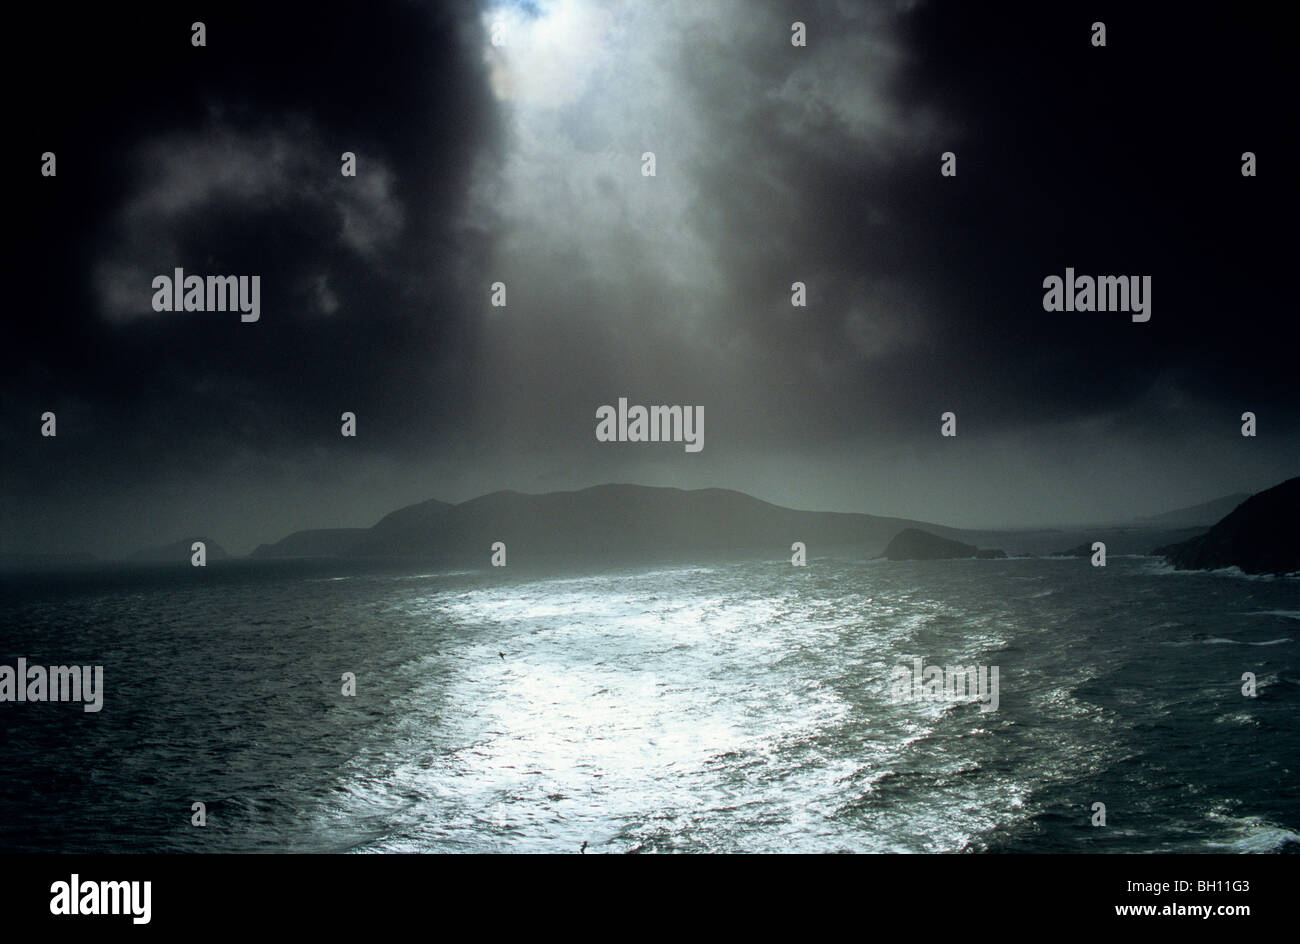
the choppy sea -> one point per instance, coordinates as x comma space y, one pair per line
743, 706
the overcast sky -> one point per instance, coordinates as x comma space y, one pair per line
522, 164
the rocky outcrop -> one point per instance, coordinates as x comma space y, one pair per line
1261, 536
914, 544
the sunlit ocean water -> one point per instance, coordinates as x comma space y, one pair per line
743, 706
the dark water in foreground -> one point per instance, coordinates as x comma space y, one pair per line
744, 706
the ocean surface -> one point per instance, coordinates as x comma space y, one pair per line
744, 706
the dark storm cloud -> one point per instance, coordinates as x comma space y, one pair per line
522, 164
925, 293
226, 160
1117, 160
